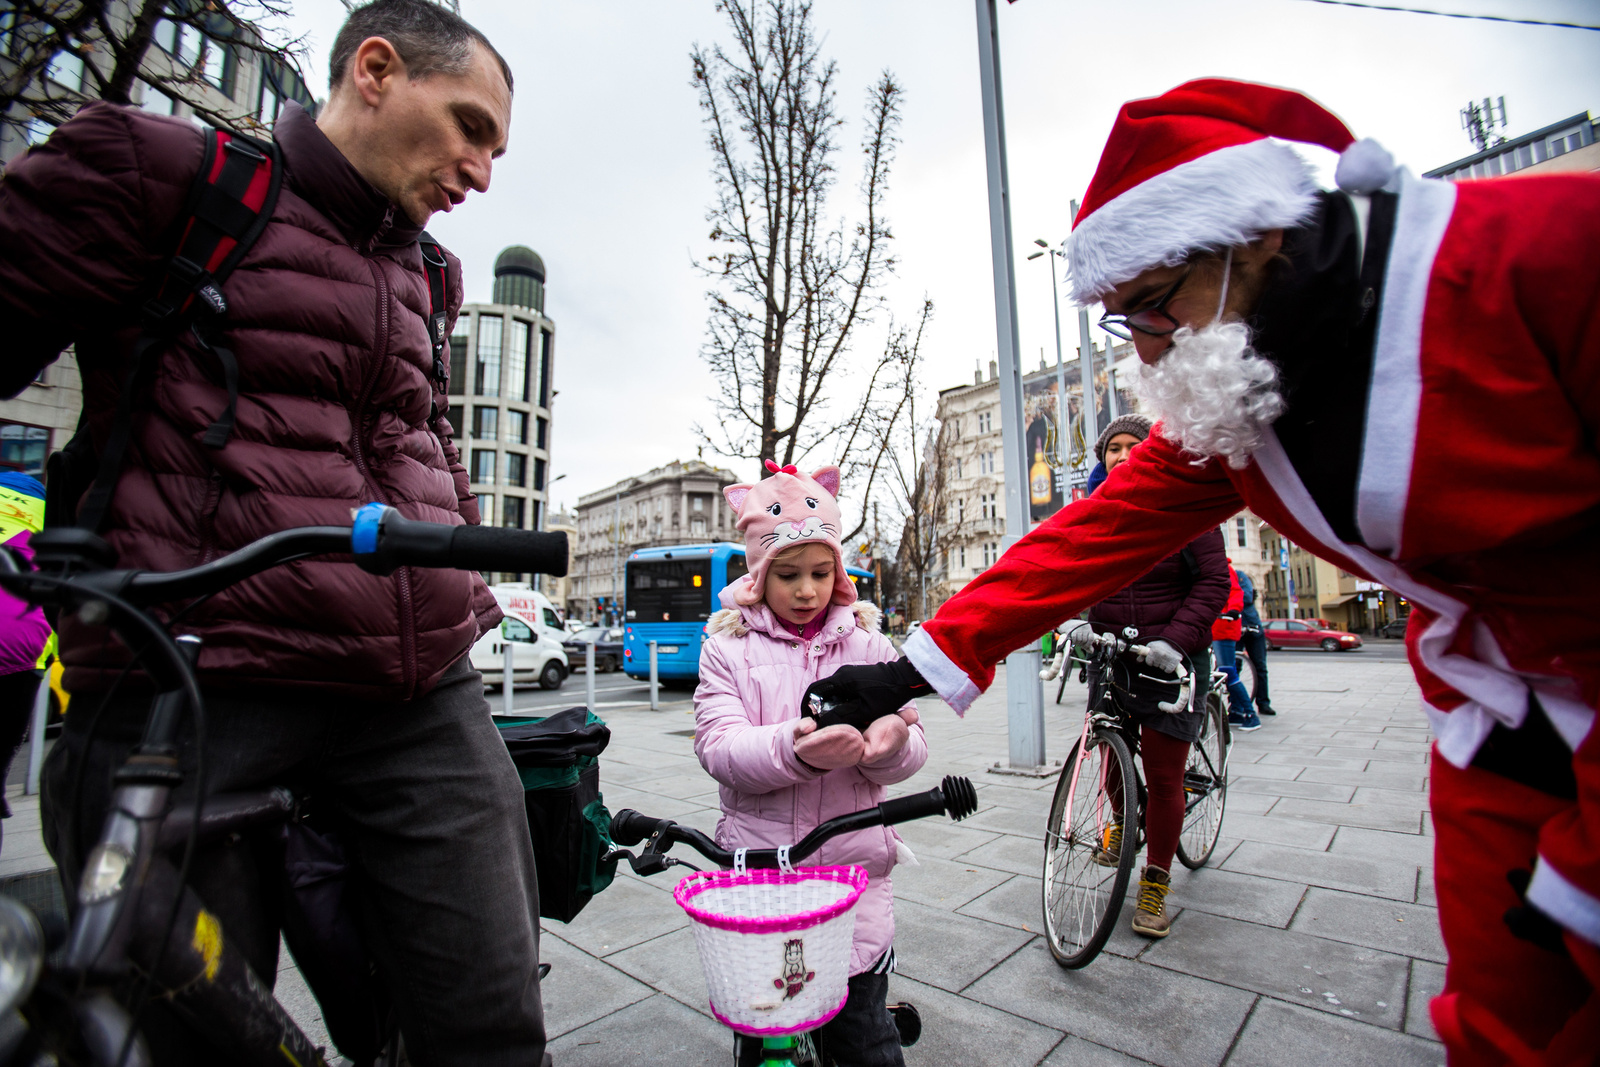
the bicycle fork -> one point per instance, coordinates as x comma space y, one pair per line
126, 901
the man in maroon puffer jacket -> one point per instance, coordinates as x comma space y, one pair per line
352, 686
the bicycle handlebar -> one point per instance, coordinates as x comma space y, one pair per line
955, 796
381, 539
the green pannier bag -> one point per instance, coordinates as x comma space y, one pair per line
558, 760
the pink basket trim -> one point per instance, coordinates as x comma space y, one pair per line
692, 886
780, 1031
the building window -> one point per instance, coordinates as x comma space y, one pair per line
66, 70
456, 417
490, 328
155, 101
37, 131
483, 467
485, 423
991, 552
517, 360
986, 463
516, 468
958, 467
698, 527
24, 447
961, 557
1240, 531
511, 514
517, 427
538, 473
547, 342
697, 504
458, 363
486, 509
989, 505
541, 428
985, 421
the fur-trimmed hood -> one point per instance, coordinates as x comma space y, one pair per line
738, 621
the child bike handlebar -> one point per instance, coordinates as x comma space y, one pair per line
955, 796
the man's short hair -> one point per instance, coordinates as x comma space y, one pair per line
429, 39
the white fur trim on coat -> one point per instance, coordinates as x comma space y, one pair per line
731, 620
1223, 199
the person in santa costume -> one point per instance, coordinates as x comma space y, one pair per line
1402, 376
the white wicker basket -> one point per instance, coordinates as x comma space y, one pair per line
774, 945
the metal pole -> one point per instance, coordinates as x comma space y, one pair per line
510, 676
41, 712
616, 532
1063, 423
588, 680
1091, 417
1113, 409
655, 681
1024, 691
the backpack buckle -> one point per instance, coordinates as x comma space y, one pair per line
244, 148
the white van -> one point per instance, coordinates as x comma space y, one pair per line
535, 632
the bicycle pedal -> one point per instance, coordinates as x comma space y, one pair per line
907, 1020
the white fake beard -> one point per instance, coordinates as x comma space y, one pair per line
1212, 394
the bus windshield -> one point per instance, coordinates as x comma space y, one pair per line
864, 587
669, 590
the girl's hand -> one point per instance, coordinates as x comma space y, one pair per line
829, 748
888, 736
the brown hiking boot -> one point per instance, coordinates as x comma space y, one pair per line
1109, 854
1150, 917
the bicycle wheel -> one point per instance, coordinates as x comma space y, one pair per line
1205, 786
1082, 899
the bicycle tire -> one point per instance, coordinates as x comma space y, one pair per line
1205, 786
1083, 900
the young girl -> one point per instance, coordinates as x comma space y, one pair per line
792, 620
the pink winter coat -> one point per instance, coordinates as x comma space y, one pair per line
753, 673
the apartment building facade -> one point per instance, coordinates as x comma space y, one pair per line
679, 503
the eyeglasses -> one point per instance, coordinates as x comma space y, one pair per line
1148, 321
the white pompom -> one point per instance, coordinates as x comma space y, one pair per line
1364, 167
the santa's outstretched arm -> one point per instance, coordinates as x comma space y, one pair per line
1150, 507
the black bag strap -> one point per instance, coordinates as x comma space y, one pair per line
1191, 565
435, 268
229, 204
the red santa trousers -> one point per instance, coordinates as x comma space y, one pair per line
1505, 1000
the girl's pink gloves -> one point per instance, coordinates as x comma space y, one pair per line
833, 747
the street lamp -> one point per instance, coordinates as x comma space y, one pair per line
1058, 457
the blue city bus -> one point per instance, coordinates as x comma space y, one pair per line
671, 592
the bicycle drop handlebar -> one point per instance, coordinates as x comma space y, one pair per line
955, 796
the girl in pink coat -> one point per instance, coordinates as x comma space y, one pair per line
791, 620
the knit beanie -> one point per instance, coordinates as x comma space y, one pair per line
782, 511
1138, 425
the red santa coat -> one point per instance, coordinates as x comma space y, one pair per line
1478, 496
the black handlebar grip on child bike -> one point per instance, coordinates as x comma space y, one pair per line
383, 539
957, 796
628, 827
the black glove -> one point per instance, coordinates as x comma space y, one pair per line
860, 695
1528, 922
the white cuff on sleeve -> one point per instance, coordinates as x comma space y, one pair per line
1564, 902
950, 681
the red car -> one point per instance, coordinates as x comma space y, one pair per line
1308, 633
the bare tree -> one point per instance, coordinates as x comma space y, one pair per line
792, 287
107, 46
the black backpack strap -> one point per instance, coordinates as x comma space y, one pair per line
436, 270
230, 203
1191, 565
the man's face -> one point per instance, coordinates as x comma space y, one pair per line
1118, 449
1192, 290
431, 140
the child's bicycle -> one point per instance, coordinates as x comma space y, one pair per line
1082, 895
774, 939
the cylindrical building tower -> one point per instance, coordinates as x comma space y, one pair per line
519, 278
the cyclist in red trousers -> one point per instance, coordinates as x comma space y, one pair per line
1402, 376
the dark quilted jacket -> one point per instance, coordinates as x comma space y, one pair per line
336, 406
1166, 604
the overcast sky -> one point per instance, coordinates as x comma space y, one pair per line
607, 173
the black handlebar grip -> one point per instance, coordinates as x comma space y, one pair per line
495, 548
915, 806
960, 796
628, 827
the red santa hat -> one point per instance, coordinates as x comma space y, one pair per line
1198, 168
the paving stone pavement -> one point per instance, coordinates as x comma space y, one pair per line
1311, 938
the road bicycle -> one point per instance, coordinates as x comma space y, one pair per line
803, 1048
1100, 788
138, 932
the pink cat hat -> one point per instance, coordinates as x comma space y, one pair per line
782, 511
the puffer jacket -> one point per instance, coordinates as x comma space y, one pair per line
336, 404
753, 673
1166, 603
1227, 626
